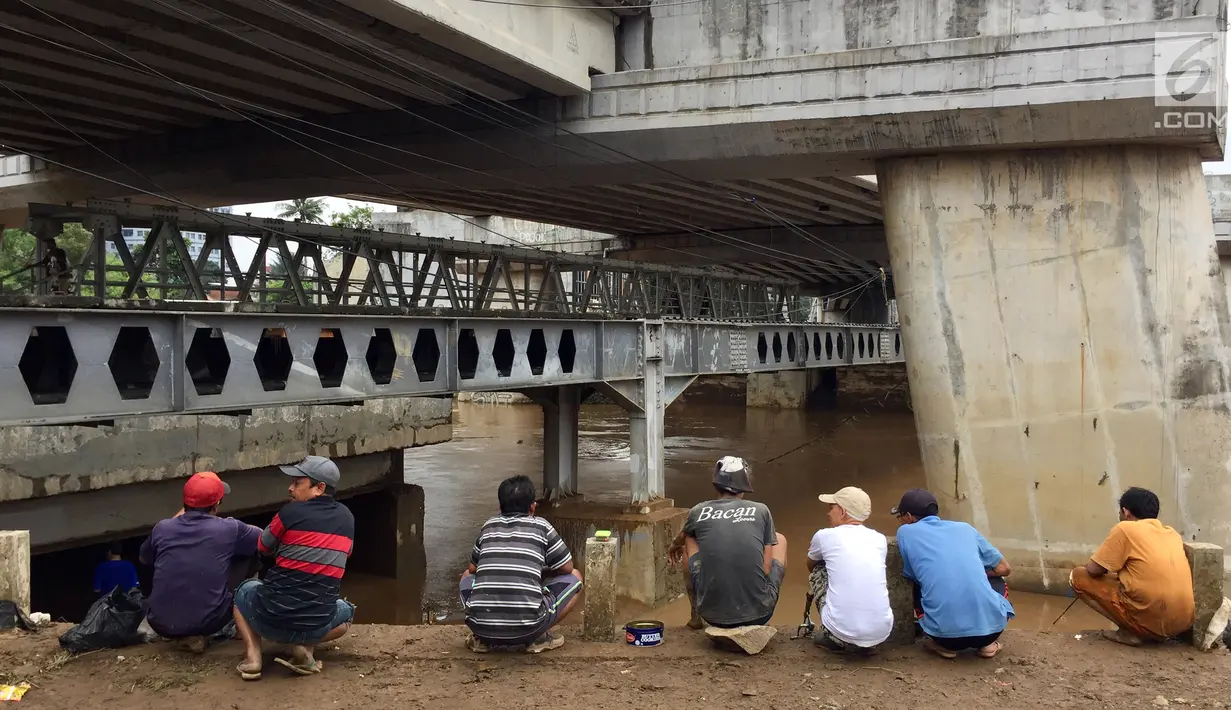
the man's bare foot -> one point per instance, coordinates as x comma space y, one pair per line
1122, 636
990, 650
696, 622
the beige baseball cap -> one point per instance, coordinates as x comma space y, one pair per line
853, 500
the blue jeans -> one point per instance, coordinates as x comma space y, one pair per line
245, 595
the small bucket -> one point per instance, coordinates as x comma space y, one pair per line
644, 633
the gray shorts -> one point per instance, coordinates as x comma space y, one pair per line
776, 574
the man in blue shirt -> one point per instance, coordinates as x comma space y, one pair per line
193, 554
114, 572
951, 562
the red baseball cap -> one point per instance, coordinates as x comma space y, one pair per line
204, 490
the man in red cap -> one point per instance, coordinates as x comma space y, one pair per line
193, 554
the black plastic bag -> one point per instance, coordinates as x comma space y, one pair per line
111, 623
12, 617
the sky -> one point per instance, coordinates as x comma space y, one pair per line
245, 249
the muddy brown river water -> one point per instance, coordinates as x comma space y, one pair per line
876, 451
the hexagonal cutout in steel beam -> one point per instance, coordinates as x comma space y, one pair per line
382, 356
777, 348
841, 346
48, 364
790, 347
330, 357
762, 348
816, 346
273, 359
567, 351
536, 351
208, 361
503, 352
134, 362
426, 354
829, 346
467, 354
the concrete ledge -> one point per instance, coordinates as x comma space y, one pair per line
46, 461
1091, 85
81, 518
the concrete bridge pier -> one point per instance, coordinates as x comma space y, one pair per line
1067, 334
646, 524
561, 410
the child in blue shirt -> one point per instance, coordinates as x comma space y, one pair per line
114, 572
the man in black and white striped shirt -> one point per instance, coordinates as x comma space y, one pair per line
521, 580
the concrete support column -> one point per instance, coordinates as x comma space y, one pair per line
389, 539
901, 597
645, 427
1067, 334
1205, 560
602, 556
15, 572
561, 410
787, 389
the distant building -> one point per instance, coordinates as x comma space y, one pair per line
134, 237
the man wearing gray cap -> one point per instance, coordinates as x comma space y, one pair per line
847, 565
299, 604
736, 560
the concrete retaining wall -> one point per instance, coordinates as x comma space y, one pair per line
44, 461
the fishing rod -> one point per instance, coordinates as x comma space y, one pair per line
10, 275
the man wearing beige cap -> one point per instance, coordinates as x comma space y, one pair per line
847, 565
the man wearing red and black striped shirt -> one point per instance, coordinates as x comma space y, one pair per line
299, 604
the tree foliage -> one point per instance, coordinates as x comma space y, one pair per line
19, 251
357, 217
303, 209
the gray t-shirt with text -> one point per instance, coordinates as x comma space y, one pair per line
728, 571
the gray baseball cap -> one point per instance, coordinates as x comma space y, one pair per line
317, 468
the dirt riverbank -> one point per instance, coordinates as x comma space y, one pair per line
428, 667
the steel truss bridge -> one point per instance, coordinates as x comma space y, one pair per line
321, 266
356, 314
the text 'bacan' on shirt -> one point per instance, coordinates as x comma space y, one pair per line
510, 557
310, 542
731, 585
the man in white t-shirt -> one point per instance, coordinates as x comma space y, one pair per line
847, 566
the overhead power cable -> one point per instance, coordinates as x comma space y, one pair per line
501, 106
414, 199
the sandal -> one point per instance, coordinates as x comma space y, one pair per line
994, 647
249, 671
931, 645
315, 667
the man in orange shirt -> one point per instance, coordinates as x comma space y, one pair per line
1151, 597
